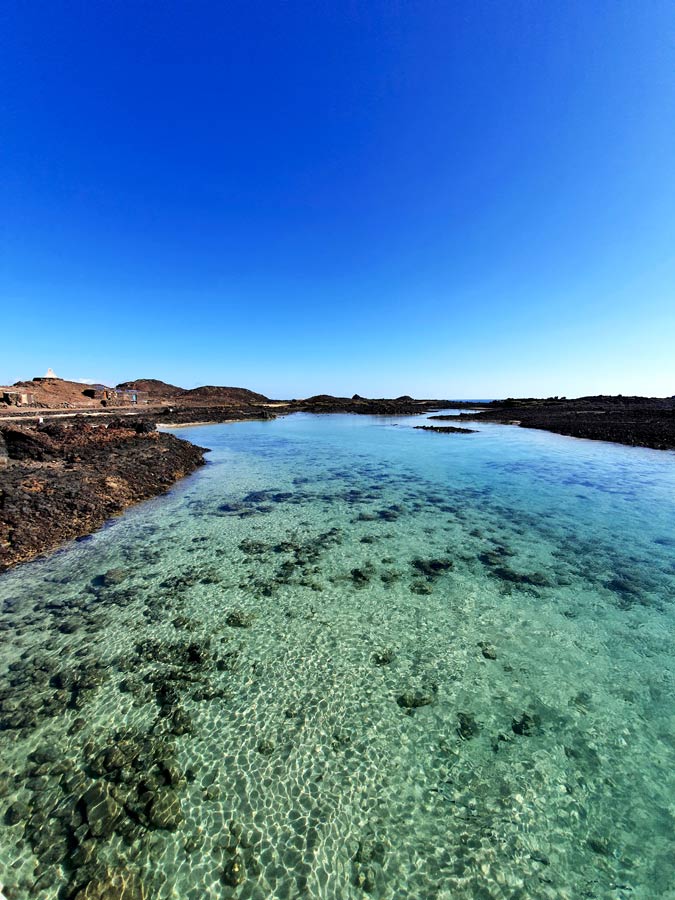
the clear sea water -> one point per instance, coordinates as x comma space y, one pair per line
361, 661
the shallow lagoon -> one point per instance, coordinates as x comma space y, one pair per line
351, 659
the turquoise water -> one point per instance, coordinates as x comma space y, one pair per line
349, 659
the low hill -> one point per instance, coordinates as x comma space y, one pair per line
152, 387
160, 390
215, 394
55, 392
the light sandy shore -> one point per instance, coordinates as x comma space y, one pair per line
194, 424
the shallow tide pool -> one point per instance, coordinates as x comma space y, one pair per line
348, 659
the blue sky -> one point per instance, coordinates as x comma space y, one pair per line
449, 199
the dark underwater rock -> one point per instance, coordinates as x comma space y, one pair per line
164, 811
266, 747
102, 811
16, 813
113, 577
432, 568
113, 885
421, 587
415, 699
487, 650
361, 576
468, 727
234, 872
534, 578
526, 725
253, 548
599, 845
239, 619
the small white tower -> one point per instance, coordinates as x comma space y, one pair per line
51, 374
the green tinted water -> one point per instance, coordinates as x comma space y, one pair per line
346, 660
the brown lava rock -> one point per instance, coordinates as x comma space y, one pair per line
65, 482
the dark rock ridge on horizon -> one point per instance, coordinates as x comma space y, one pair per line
636, 421
400, 406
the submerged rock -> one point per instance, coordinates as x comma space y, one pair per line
383, 657
253, 548
444, 429
113, 885
420, 587
103, 812
487, 650
234, 872
16, 813
536, 579
389, 577
599, 845
266, 747
164, 811
368, 863
415, 699
361, 577
468, 727
113, 577
180, 722
432, 568
239, 619
526, 725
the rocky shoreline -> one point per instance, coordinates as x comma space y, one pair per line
635, 421
62, 482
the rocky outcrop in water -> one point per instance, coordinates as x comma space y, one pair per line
400, 406
638, 421
445, 429
62, 482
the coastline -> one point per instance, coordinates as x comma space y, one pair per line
632, 421
64, 478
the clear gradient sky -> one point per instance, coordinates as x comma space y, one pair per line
458, 199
